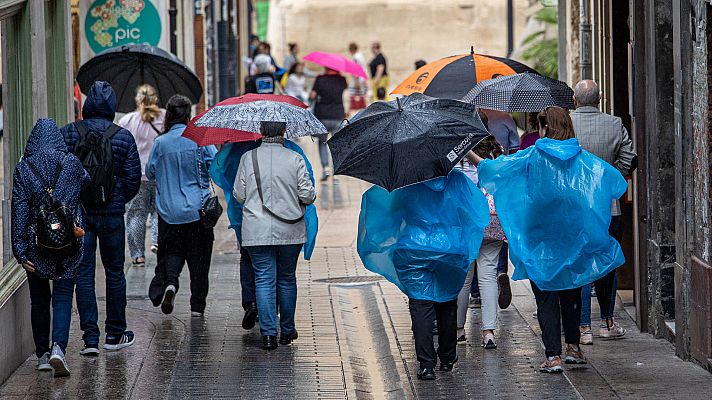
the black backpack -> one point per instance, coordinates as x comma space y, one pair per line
95, 153
54, 224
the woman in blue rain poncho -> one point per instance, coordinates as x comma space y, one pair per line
223, 171
423, 238
555, 202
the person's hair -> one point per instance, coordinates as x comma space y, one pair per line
533, 120
293, 69
419, 64
147, 103
376, 45
381, 93
254, 37
587, 93
262, 46
273, 129
177, 111
488, 147
262, 63
353, 47
292, 46
558, 123
483, 117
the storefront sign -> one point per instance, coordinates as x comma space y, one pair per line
111, 23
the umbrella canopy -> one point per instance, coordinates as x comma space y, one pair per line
410, 140
336, 62
129, 66
521, 93
453, 77
207, 135
245, 118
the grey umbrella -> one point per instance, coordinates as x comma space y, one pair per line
523, 92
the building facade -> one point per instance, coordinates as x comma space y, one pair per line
652, 62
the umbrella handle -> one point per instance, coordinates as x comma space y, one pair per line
399, 104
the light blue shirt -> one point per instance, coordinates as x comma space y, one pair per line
180, 170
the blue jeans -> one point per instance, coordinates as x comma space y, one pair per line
60, 297
247, 279
275, 268
586, 303
109, 232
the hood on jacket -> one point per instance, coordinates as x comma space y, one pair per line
100, 102
561, 149
436, 184
45, 136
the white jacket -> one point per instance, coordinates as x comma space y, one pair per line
286, 189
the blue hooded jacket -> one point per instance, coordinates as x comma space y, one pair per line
45, 150
98, 111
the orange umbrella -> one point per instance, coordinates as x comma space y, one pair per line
453, 77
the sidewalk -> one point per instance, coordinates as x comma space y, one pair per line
354, 342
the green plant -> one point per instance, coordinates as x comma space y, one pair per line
543, 52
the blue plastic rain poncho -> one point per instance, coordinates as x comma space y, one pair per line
224, 170
554, 202
423, 237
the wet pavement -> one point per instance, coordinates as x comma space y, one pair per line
354, 341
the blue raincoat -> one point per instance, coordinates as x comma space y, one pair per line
554, 202
224, 170
423, 237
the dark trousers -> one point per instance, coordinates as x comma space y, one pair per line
422, 314
606, 286
179, 244
109, 233
552, 308
247, 279
59, 298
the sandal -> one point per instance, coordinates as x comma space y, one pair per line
139, 262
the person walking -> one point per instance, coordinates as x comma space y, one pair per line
605, 136
108, 152
181, 171
274, 185
144, 124
263, 81
46, 174
378, 69
486, 267
358, 91
296, 83
328, 95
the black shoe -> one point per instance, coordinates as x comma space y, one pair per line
168, 297
287, 339
426, 374
248, 321
447, 367
269, 342
505, 291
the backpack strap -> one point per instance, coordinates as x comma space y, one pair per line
256, 167
49, 188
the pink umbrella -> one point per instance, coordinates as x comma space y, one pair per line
336, 62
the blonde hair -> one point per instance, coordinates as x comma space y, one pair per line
147, 103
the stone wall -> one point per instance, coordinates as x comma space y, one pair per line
407, 29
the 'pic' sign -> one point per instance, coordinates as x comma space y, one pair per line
112, 23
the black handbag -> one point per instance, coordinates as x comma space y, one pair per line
211, 209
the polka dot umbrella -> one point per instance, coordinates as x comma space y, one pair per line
521, 93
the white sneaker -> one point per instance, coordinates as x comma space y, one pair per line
43, 363
615, 331
58, 362
90, 351
586, 335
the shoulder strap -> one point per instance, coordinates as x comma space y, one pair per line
55, 177
258, 179
109, 133
154, 128
37, 174
113, 129
81, 128
58, 171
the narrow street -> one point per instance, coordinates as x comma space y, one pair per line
354, 341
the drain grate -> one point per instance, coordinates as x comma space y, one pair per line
350, 279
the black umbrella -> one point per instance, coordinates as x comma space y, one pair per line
409, 140
129, 66
523, 92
